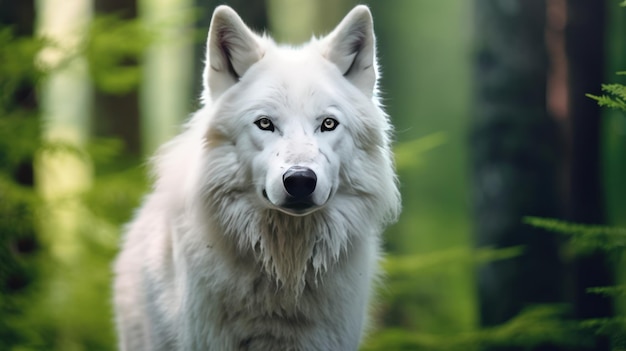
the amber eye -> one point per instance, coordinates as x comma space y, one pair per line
264, 123
329, 124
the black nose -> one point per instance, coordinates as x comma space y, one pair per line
299, 182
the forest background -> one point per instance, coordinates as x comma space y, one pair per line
512, 175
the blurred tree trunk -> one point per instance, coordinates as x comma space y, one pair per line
63, 169
585, 38
165, 93
515, 159
614, 138
536, 151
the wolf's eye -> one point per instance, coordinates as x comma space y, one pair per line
329, 124
264, 123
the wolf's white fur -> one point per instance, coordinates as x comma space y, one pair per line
214, 260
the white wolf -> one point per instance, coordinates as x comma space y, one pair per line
263, 228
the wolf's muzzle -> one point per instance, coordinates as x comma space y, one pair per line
299, 182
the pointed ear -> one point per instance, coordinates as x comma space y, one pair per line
351, 47
231, 49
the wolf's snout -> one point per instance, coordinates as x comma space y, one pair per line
299, 182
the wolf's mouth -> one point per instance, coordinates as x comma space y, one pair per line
293, 206
298, 204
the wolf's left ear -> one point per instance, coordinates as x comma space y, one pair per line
351, 47
231, 49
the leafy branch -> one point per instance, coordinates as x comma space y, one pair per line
615, 96
584, 237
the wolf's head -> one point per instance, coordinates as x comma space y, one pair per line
295, 140
297, 116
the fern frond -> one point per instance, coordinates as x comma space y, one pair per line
615, 96
615, 291
584, 237
615, 89
608, 101
538, 325
399, 265
565, 227
535, 326
605, 326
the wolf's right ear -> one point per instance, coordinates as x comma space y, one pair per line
231, 49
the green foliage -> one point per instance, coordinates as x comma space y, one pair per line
535, 326
78, 314
17, 55
46, 302
538, 325
114, 50
584, 238
402, 265
18, 247
408, 154
615, 96
19, 139
616, 291
614, 327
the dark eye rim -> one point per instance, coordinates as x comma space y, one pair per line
270, 128
323, 128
